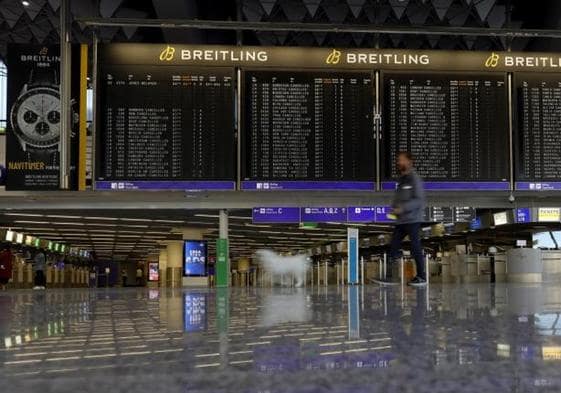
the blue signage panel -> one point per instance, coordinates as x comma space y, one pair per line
523, 215
165, 185
273, 215
475, 224
194, 258
456, 186
531, 186
361, 213
352, 252
307, 185
323, 214
381, 214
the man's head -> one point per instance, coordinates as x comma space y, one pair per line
404, 161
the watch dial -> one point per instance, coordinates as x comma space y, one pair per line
37, 117
30, 117
54, 117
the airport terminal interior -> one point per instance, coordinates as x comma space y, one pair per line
277, 196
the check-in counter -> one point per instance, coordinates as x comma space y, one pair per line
28, 276
50, 276
467, 268
551, 260
524, 265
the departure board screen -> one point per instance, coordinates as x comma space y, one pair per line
538, 151
308, 130
165, 127
455, 125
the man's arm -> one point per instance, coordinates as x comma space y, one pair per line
417, 200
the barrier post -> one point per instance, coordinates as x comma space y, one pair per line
362, 270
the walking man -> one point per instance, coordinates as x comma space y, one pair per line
408, 208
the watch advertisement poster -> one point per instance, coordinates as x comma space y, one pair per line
34, 119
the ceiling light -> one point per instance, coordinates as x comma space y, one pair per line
206, 215
23, 214
25, 3
32, 222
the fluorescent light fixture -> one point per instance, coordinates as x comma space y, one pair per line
32, 222
24, 214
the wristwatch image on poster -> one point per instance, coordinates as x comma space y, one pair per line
34, 126
35, 118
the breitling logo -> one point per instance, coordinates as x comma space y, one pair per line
44, 51
334, 57
492, 61
167, 54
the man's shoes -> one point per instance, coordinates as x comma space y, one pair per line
384, 281
417, 282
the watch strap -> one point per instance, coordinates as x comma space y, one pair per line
40, 76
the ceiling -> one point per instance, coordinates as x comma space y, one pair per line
38, 22
138, 234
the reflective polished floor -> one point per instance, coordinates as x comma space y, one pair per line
451, 338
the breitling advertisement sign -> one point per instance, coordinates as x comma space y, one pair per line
300, 57
34, 122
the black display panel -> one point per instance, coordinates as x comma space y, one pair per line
165, 127
538, 131
456, 125
308, 130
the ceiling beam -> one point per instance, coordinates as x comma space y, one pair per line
321, 27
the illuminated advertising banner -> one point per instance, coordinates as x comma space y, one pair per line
34, 118
153, 271
194, 258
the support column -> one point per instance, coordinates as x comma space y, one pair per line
174, 264
174, 269
222, 268
162, 266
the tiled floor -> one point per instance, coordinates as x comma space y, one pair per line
473, 338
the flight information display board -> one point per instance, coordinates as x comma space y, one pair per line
456, 126
165, 127
538, 151
308, 130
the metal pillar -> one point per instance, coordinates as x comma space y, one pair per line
326, 283
65, 93
362, 270
385, 271
337, 270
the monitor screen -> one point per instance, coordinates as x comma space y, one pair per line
194, 258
